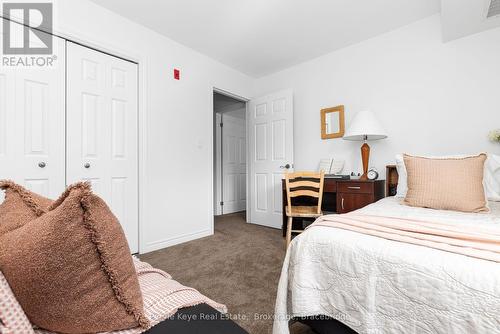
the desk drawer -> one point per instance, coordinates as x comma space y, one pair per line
355, 187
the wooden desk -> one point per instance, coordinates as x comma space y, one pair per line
340, 196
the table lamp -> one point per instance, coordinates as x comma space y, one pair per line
365, 127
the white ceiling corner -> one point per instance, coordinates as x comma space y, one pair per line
461, 18
260, 37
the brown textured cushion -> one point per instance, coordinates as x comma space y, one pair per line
447, 183
71, 268
19, 206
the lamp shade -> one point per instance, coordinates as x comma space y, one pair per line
365, 126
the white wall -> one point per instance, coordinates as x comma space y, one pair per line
177, 192
432, 97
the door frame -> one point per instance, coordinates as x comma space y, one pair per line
218, 191
128, 54
215, 142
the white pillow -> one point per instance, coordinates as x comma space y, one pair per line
402, 177
491, 175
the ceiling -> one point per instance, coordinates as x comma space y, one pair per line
464, 17
260, 37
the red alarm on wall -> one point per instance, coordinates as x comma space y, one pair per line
177, 74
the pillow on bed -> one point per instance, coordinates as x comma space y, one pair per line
402, 178
491, 180
19, 206
71, 268
446, 184
492, 177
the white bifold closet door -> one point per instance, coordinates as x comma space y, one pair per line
101, 143
32, 124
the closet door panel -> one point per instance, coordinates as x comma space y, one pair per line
102, 131
7, 122
32, 120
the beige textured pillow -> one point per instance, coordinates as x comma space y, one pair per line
446, 184
71, 268
19, 206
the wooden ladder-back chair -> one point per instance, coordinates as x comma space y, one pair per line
303, 184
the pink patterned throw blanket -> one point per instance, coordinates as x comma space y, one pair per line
470, 240
162, 297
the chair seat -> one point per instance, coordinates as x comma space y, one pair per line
303, 211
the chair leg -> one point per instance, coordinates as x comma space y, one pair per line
289, 232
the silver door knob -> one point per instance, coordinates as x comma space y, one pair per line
86, 165
287, 166
42, 164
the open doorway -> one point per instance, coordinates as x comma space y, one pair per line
230, 154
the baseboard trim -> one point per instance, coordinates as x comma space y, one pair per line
164, 243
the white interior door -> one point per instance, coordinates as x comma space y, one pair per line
270, 124
234, 164
102, 131
32, 105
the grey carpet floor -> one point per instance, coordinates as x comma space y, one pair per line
238, 266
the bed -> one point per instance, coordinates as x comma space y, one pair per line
375, 285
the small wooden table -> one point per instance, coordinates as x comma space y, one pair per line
341, 196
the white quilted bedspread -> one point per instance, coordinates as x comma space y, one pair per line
376, 285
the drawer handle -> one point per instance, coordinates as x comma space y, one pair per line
342, 204
354, 188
